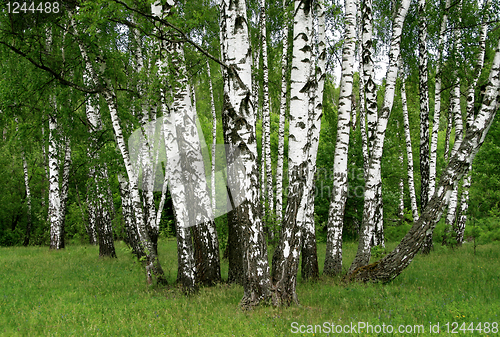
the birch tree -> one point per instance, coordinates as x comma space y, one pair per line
286, 256
56, 233
395, 262
151, 263
464, 203
333, 258
239, 123
283, 110
437, 116
373, 188
424, 103
409, 154
266, 115
309, 266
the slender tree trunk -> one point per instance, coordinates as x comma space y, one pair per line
453, 202
28, 201
266, 116
133, 239
333, 258
56, 233
239, 122
464, 204
152, 263
286, 256
427, 246
424, 103
409, 154
214, 138
186, 266
377, 235
394, 263
65, 185
309, 265
373, 188
370, 87
281, 127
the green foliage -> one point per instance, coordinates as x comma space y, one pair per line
396, 233
484, 230
378, 252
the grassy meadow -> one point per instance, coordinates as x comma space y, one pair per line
74, 293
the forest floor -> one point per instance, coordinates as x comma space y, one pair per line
73, 292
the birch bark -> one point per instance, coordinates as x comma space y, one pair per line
309, 266
239, 122
56, 234
283, 110
464, 204
394, 263
409, 154
266, 117
424, 103
333, 258
427, 246
286, 256
373, 188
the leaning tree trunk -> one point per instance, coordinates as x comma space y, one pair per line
286, 256
394, 263
427, 246
373, 188
239, 122
333, 258
424, 103
152, 263
409, 154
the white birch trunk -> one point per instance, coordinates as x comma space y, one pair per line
309, 265
281, 127
424, 103
239, 122
214, 137
333, 258
152, 262
286, 256
453, 202
370, 87
464, 203
266, 116
395, 262
437, 105
56, 234
409, 154
65, 184
373, 185
28, 200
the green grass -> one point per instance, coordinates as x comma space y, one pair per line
73, 292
